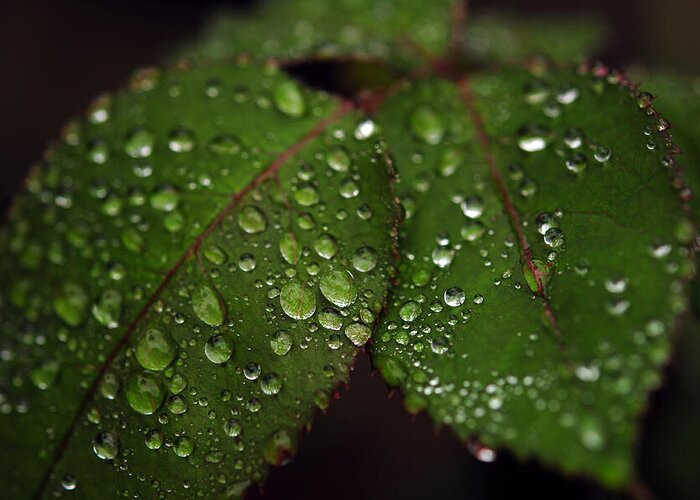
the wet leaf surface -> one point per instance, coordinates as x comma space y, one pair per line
543, 263
166, 328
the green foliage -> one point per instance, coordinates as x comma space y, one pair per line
191, 271
538, 310
184, 300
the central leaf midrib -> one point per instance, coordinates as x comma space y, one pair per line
464, 85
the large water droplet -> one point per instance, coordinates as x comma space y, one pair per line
155, 350
533, 137
206, 305
298, 300
427, 125
218, 349
252, 220
358, 333
337, 286
108, 308
106, 445
144, 393
289, 99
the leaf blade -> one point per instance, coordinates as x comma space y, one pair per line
206, 348
497, 365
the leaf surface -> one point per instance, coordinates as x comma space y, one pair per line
543, 263
401, 31
186, 277
506, 37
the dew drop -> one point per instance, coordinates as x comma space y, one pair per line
298, 300
206, 305
218, 349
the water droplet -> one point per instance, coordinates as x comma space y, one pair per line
544, 222
69, 482
181, 140
427, 125
358, 333
206, 305
306, 195
144, 393
225, 144
554, 237
106, 445
450, 160
349, 188
289, 248
473, 207
247, 262
533, 137
338, 159
330, 319
154, 439
337, 287
472, 231
364, 259
298, 300
326, 246
252, 371
108, 308
165, 198
410, 311
232, 428
281, 342
139, 143
271, 384
70, 303
454, 296
218, 349
576, 162
616, 285
44, 374
365, 129
252, 220
289, 99
183, 447
443, 256
215, 254
155, 350
591, 433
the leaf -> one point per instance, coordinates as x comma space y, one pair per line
394, 30
187, 276
493, 37
543, 262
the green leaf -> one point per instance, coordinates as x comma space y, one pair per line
494, 37
542, 270
400, 31
166, 327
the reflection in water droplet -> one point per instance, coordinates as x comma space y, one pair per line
206, 305
298, 300
218, 349
106, 445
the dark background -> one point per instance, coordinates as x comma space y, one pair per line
55, 55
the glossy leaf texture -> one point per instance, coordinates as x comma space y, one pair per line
185, 279
543, 262
506, 37
403, 32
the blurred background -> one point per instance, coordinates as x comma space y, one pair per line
57, 54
